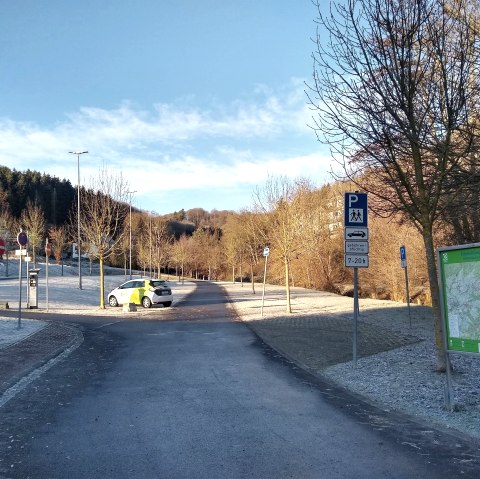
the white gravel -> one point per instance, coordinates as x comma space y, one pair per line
403, 379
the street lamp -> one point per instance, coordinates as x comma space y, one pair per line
130, 249
78, 153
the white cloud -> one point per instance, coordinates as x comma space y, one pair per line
176, 148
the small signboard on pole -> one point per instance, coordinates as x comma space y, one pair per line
266, 252
403, 256
403, 262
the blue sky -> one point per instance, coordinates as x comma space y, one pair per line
195, 102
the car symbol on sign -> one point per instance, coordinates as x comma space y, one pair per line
360, 234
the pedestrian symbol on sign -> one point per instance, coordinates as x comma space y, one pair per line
356, 215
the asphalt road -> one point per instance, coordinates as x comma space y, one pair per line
192, 393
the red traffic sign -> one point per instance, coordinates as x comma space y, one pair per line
22, 238
2, 247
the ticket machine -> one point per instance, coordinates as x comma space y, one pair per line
33, 288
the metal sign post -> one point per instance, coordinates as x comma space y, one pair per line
403, 260
48, 252
19, 325
22, 241
266, 252
356, 250
355, 316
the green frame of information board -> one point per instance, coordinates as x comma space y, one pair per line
468, 256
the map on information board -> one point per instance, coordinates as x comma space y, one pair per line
460, 277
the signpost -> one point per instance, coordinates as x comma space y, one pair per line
356, 247
403, 262
266, 252
48, 252
459, 277
22, 240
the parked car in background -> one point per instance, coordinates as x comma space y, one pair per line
143, 292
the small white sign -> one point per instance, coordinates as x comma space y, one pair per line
359, 247
21, 252
266, 251
356, 260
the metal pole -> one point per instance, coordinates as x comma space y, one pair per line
28, 284
20, 291
130, 252
130, 248
78, 153
264, 278
46, 253
150, 241
78, 223
355, 315
408, 297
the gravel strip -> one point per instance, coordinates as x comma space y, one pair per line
396, 365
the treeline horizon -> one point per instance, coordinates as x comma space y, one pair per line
301, 223
57, 199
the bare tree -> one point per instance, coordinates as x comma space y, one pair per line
161, 243
252, 234
33, 221
103, 210
395, 88
275, 203
59, 237
180, 254
234, 245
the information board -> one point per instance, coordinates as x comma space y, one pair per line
459, 268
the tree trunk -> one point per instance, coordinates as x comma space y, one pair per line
287, 285
252, 278
435, 294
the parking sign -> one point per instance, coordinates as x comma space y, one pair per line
356, 210
403, 256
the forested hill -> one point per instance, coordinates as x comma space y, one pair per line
53, 195
57, 198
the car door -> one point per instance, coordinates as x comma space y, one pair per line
125, 292
137, 292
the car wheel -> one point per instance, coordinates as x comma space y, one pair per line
112, 301
167, 304
146, 303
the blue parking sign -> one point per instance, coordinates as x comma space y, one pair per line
403, 256
356, 210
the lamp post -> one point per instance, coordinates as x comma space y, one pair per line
78, 153
130, 248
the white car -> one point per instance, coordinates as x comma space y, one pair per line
143, 292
